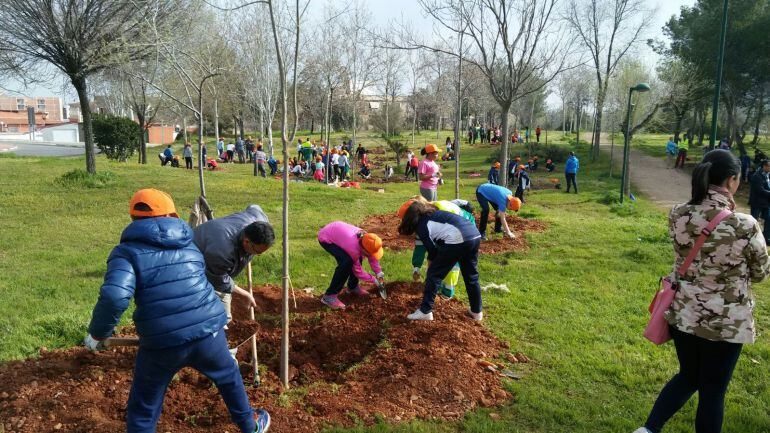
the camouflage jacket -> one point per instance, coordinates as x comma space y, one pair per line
714, 300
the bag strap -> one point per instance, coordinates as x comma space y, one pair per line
702, 239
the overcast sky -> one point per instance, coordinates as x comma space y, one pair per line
383, 11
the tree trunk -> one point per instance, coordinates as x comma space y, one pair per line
355, 119
760, 116
504, 148
458, 116
216, 118
88, 132
679, 118
201, 162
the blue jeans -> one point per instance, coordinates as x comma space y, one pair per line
762, 213
467, 255
484, 203
154, 370
343, 272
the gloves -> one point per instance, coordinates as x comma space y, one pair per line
93, 344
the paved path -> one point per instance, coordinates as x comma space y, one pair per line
652, 177
43, 150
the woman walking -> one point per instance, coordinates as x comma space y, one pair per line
429, 173
711, 315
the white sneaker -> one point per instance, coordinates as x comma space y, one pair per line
475, 316
419, 315
416, 274
642, 430
234, 352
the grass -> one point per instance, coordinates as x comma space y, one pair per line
576, 307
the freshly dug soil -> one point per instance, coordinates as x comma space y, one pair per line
386, 226
364, 363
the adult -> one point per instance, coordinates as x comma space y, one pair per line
260, 158
228, 244
711, 316
178, 317
273, 164
537, 133
745, 167
239, 149
671, 151
759, 196
168, 155
220, 147
188, 156
571, 168
448, 239
429, 173
500, 199
230, 152
681, 156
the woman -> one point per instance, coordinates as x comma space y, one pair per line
711, 315
429, 173
349, 244
448, 239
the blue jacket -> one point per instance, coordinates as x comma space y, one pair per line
671, 148
444, 228
157, 264
572, 165
168, 153
494, 176
759, 190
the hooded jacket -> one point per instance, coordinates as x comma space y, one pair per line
157, 264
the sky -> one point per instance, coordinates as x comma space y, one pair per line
383, 12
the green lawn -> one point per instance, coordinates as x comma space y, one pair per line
577, 304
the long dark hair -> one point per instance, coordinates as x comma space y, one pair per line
717, 166
412, 216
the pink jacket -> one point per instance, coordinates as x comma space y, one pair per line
345, 236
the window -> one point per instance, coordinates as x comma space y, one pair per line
20, 105
41, 104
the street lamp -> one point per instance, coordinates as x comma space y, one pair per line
641, 87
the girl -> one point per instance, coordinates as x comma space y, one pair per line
448, 239
710, 318
524, 182
319, 169
349, 245
501, 199
343, 164
429, 173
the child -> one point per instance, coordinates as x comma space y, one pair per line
342, 162
448, 239
429, 173
388, 171
319, 169
501, 199
188, 156
365, 172
494, 174
524, 182
175, 161
261, 157
549, 166
411, 169
211, 164
273, 164
178, 317
349, 245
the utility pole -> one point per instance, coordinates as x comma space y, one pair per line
718, 84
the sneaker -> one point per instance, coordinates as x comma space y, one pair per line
483, 237
263, 421
333, 302
358, 291
419, 315
416, 274
233, 353
642, 430
475, 316
446, 292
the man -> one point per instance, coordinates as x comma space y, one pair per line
759, 197
537, 133
178, 317
228, 244
671, 151
570, 171
239, 149
681, 156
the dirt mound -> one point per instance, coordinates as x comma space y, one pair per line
359, 365
386, 226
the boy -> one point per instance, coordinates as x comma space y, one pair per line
178, 317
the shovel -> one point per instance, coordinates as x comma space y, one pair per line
383, 292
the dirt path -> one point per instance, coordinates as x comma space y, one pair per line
651, 177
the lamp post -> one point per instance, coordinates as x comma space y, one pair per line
718, 85
641, 87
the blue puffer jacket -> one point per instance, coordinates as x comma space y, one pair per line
159, 266
572, 165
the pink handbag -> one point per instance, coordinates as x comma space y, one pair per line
657, 328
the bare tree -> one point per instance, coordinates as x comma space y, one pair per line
608, 29
517, 45
79, 38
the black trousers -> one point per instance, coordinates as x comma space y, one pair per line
704, 366
343, 272
571, 180
467, 255
188, 162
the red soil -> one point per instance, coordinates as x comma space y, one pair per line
386, 226
364, 363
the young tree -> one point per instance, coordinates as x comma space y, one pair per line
608, 29
80, 38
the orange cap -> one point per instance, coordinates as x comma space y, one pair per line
497, 165
159, 202
431, 148
404, 207
372, 244
514, 203
521, 167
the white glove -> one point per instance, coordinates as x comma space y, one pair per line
93, 344
381, 275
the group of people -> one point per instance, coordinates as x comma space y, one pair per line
518, 173
167, 157
494, 135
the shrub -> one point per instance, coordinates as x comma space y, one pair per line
82, 178
556, 153
117, 137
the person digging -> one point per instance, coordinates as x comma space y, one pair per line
500, 199
228, 245
178, 317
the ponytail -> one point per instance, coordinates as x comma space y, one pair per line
716, 167
700, 182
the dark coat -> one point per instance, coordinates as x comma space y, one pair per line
759, 191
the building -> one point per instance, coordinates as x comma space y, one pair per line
13, 112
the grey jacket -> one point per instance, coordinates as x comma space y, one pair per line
220, 241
